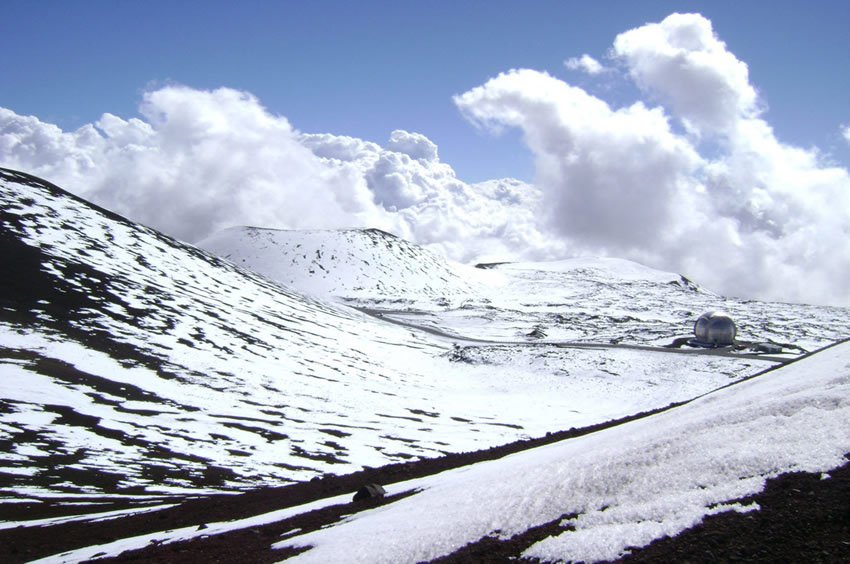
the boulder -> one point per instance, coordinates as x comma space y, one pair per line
369, 491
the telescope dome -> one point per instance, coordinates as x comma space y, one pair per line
715, 328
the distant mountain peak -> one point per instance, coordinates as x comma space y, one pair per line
349, 263
380, 232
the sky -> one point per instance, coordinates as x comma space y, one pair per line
365, 69
716, 144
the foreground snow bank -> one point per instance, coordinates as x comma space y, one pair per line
619, 488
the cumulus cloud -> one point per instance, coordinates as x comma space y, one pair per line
614, 179
414, 145
683, 63
845, 132
755, 217
427, 203
784, 215
751, 216
585, 63
199, 161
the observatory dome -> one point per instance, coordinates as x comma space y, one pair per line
715, 328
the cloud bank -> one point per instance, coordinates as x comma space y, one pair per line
197, 162
725, 202
691, 179
200, 161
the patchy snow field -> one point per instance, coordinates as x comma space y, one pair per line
137, 371
132, 363
602, 494
583, 299
618, 488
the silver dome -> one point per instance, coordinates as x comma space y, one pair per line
715, 328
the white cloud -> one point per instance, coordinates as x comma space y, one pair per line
199, 161
428, 204
585, 63
414, 145
757, 217
845, 132
683, 63
612, 179
785, 215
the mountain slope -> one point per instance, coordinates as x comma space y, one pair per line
621, 487
596, 496
613, 300
131, 363
582, 299
353, 263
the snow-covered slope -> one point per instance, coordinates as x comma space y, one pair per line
132, 363
619, 488
354, 263
605, 300
137, 371
615, 269
583, 299
591, 498
130, 360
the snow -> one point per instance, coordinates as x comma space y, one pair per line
234, 371
618, 488
615, 268
365, 263
146, 353
584, 299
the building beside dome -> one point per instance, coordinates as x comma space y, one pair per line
715, 329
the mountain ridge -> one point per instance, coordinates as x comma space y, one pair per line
367, 263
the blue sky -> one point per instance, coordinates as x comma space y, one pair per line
366, 68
